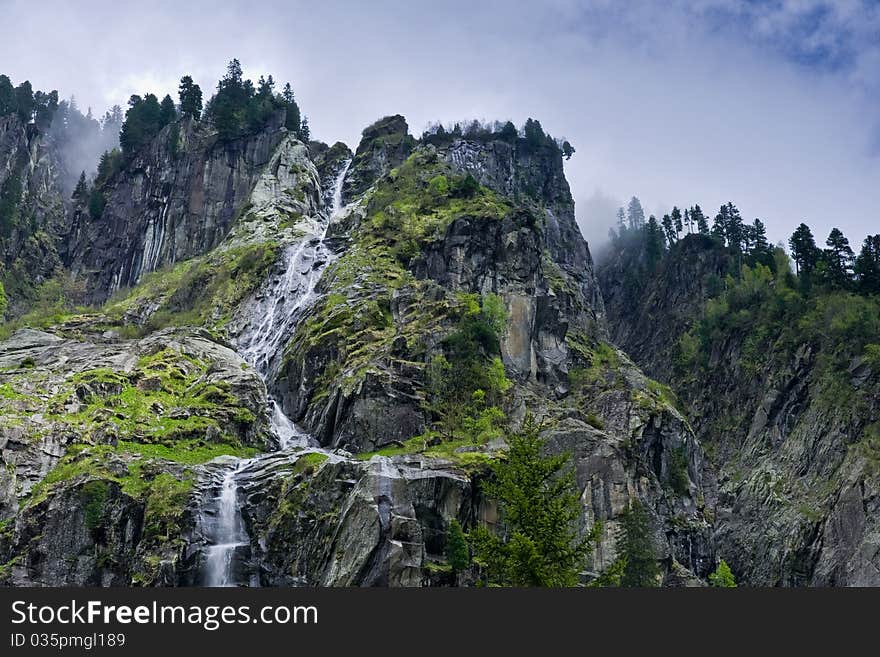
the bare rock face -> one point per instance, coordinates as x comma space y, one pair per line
646, 321
384, 145
342, 522
788, 419
178, 198
329, 160
31, 236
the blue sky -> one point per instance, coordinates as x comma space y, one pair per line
773, 105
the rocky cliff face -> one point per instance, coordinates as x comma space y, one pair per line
355, 370
176, 199
34, 218
384, 145
782, 395
649, 311
338, 279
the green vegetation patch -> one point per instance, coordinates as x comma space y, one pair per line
203, 291
772, 320
51, 303
166, 402
417, 202
308, 463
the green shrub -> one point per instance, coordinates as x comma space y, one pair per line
679, 480
94, 497
722, 577
872, 356
466, 388
457, 553
595, 421
466, 187
165, 504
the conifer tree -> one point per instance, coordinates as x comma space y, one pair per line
540, 544
82, 188
759, 237
142, 123
734, 232
653, 242
190, 96
7, 96
803, 249
508, 132
676, 221
867, 266
839, 258
668, 229
457, 553
700, 220
24, 101
167, 111
621, 221
635, 215
534, 133
636, 548
722, 577
719, 225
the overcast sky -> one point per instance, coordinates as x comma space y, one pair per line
773, 105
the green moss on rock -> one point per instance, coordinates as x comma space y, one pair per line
164, 400
203, 291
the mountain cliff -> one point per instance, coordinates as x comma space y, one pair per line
33, 210
294, 364
781, 388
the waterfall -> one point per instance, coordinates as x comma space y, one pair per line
229, 529
275, 316
294, 290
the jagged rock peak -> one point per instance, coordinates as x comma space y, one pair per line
384, 145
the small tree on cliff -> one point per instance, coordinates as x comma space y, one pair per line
722, 577
636, 549
540, 544
190, 95
457, 553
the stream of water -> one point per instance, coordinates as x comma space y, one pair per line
260, 344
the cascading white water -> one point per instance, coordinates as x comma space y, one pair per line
289, 293
283, 299
230, 529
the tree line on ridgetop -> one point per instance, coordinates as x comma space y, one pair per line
835, 267
238, 108
531, 134
78, 138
